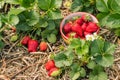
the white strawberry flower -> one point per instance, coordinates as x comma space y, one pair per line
95, 35
91, 37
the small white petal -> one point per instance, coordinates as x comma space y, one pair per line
89, 37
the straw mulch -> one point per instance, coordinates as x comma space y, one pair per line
17, 64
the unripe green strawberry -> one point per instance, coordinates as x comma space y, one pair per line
43, 46
14, 38
54, 72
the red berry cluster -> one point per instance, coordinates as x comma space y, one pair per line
33, 44
52, 69
80, 27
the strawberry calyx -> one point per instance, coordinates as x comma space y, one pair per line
54, 72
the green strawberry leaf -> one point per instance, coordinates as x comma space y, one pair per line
76, 76
52, 38
55, 15
23, 26
109, 48
27, 3
75, 43
42, 23
45, 33
76, 71
91, 65
113, 21
82, 72
75, 67
38, 32
69, 54
0, 22
100, 76
76, 5
27, 19
57, 3
59, 59
97, 47
13, 19
102, 5
115, 4
105, 60
102, 52
51, 25
33, 18
64, 58
102, 17
13, 1
4, 19
16, 11
44, 4
82, 50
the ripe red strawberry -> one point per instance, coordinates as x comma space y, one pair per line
77, 28
43, 46
79, 21
87, 33
84, 26
54, 72
92, 27
49, 65
67, 27
32, 45
25, 40
82, 37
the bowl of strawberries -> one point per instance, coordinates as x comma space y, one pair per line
78, 25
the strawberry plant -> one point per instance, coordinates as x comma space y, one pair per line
109, 15
39, 18
83, 5
82, 56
